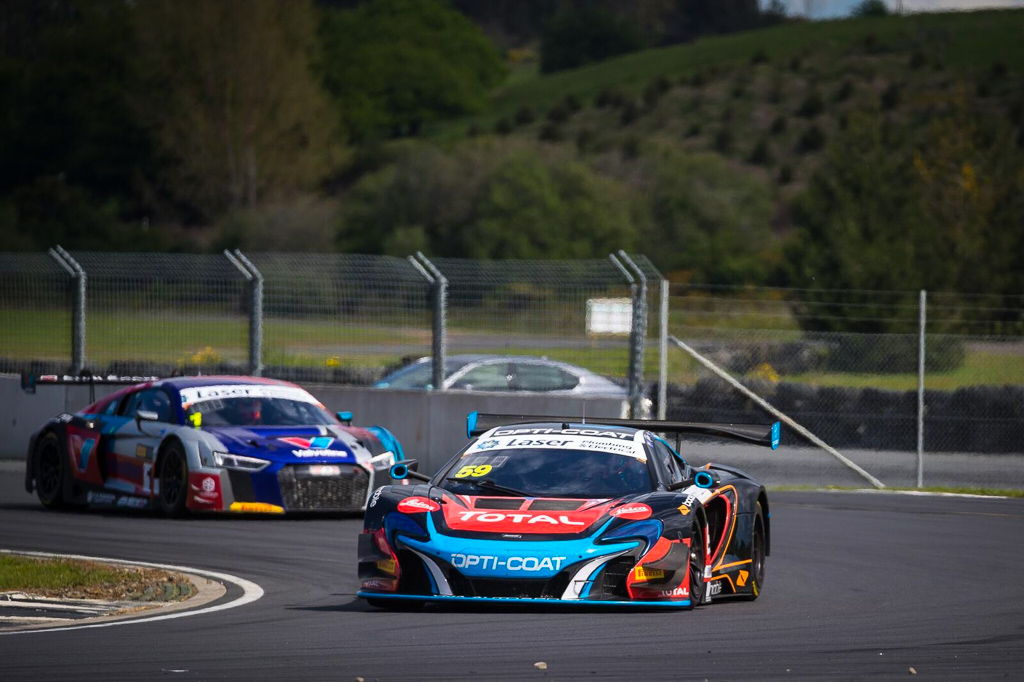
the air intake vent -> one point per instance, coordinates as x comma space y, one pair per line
555, 505
499, 503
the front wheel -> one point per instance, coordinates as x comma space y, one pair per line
50, 471
758, 551
173, 475
695, 567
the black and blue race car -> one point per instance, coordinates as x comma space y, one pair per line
556, 510
207, 444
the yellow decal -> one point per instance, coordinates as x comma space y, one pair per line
756, 588
196, 419
684, 510
474, 471
261, 507
741, 579
643, 574
389, 566
141, 451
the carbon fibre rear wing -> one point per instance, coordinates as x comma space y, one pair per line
29, 382
758, 434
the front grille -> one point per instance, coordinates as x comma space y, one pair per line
518, 589
612, 579
302, 490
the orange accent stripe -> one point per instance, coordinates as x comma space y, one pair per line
721, 567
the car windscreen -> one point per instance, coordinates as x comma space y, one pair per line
548, 472
263, 411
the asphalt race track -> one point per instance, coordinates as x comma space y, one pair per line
858, 585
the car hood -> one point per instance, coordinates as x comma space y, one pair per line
288, 443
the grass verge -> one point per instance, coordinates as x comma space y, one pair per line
83, 579
951, 490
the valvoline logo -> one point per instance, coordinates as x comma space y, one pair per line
317, 443
634, 512
417, 505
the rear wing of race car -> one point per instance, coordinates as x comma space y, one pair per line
29, 382
758, 434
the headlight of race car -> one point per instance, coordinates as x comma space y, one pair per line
226, 459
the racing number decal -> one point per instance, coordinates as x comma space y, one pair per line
471, 471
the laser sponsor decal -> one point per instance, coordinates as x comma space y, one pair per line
488, 444
510, 563
417, 505
577, 440
635, 512
198, 394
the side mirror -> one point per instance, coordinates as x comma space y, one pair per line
407, 469
146, 416
345, 417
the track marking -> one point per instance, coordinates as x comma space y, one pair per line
918, 493
250, 591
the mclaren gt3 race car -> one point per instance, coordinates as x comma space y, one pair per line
551, 510
209, 443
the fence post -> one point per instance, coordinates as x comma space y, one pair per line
922, 305
439, 284
638, 331
78, 321
663, 351
255, 277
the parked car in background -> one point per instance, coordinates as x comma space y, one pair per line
208, 443
478, 372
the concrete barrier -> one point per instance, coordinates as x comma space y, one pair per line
431, 426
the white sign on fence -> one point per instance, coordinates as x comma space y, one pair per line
609, 315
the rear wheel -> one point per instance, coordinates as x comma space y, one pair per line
758, 551
173, 475
695, 567
50, 471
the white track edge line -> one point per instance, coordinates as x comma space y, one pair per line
250, 591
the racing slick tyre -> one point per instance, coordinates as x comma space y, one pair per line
695, 567
50, 471
758, 545
173, 475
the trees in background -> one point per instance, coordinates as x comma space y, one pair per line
392, 65
230, 96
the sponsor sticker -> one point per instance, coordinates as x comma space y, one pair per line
199, 394
510, 563
257, 507
417, 505
634, 511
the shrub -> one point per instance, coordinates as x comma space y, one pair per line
785, 174
723, 140
693, 130
845, 91
917, 60
778, 125
812, 105
558, 114
572, 103
896, 354
759, 57
524, 116
891, 96
503, 126
810, 140
550, 132
610, 97
761, 153
630, 113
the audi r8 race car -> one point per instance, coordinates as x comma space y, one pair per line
554, 510
208, 443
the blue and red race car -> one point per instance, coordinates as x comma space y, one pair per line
552, 510
208, 444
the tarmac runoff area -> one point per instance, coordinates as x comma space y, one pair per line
22, 613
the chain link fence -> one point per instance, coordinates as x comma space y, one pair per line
842, 363
35, 313
845, 364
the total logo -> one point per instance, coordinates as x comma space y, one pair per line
511, 563
632, 511
417, 505
518, 518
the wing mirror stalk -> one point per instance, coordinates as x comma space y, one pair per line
407, 469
